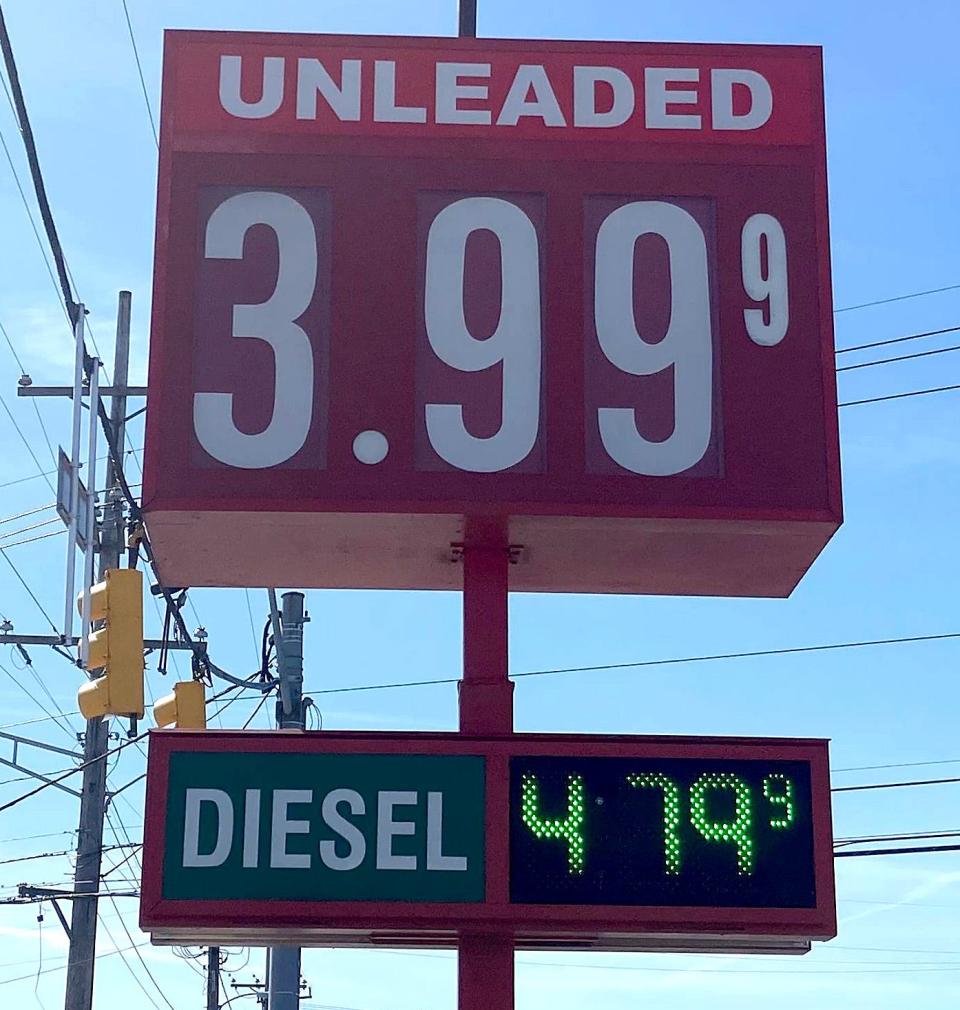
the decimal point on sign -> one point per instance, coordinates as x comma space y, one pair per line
371, 447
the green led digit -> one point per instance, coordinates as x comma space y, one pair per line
671, 814
739, 830
778, 789
570, 828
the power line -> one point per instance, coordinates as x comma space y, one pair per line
902, 357
902, 764
31, 593
897, 852
73, 771
31, 722
26, 515
65, 726
34, 162
898, 298
123, 958
893, 785
143, 83
898, 340
62, 967
33, 402
23, 438
656, 662
909, 837
898, 396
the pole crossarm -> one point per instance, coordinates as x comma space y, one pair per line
40, 745
149, 644
67, 391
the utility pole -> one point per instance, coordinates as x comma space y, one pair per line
283, 963
213, 978
83, 925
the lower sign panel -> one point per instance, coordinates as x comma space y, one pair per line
597, 842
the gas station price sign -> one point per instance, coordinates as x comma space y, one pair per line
579, 288
612, 843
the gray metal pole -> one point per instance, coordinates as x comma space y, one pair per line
468, 19
83, 923
213, 978
283, 975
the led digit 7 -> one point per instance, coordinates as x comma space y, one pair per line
569, 828
739, 831
671, 814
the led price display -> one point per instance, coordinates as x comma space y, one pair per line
661, 832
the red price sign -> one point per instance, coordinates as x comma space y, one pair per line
577, 289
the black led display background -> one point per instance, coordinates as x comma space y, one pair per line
661, 832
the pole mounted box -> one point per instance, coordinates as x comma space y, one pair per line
116, 648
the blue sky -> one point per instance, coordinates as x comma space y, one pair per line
892, 87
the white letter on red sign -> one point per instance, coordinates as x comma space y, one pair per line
350, 833
387, 828
450, 91
544, 104
657, 98
312, 77
385, 108
191, 828
282, 826
271, 92
585, 81
272, 322
761, 99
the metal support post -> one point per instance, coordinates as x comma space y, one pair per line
283, 965
69, 602
83, 930
485, 961
468, 19
213, 978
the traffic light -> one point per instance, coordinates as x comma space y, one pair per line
186, 708
116, 647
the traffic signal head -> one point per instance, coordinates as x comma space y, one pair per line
116, 648
186, 708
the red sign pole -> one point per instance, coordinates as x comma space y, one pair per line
486, 709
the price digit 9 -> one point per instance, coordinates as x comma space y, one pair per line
687, 346
515, 343
769, 286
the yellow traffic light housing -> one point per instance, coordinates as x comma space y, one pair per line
116, 647
186, 708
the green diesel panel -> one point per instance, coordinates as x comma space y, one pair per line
325, 827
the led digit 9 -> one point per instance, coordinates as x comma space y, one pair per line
778, 789
739, 831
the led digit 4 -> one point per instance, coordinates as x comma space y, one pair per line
570, 828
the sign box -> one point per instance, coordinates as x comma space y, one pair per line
578, 288
610, 843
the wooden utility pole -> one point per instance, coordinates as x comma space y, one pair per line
83, 924
213, 978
